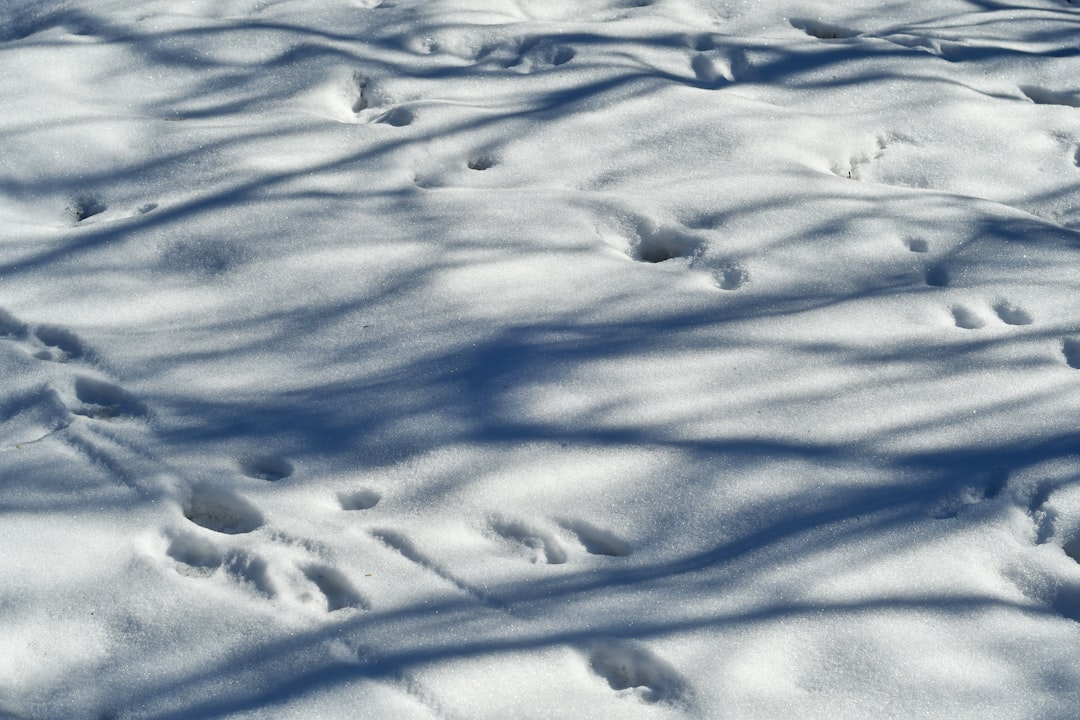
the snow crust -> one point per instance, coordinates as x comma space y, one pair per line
539, 359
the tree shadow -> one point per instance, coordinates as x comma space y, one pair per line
462, 380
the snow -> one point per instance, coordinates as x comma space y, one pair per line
538, 358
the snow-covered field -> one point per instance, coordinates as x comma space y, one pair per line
539, 359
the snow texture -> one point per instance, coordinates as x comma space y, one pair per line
539, 359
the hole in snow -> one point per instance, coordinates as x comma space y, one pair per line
335, 588
657, 244
64, 340
221, 511
10, 326
481, 162
363, 499
397, 117
731, 278
937, 277
598, 541
544, 546
1011, 314
266, 467
86, 207
631, 669
360, 84
918, 245
1070, 348
967, 319
104, 400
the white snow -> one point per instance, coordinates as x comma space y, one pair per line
539, 359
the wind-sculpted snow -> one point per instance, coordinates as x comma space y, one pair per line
522, 358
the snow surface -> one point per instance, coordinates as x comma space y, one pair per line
539, 359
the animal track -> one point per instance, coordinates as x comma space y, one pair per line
937, 276
199, 557
822, 31
11, 327
544, 546
853, 169
397, 117
221, 511
361, 101
1042, 96
32, 416
632, 670
952, 504
103, 400
61, 345
657, 244
83, 208
918, 245
597, 541
1011, 314
338, 592
542, 54
731, 277
363, 499
266, 467
967, 319
482, 162
1070, 348
709, 70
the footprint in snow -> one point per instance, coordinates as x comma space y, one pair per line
1012, 314
10, 327
660, 243
711, 70
44, 342
541, 546
221, 511
862, 158
335, 589
202, 558
362, 499
967, 319
597, 541
1070, 349
970, 494
541, 54
397, 117
482, 162
266, 467
731, 277
918, 245
359, 92
59, 344
199, 557
103, 400
359, 98
633, 671
85, 207
937, 276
